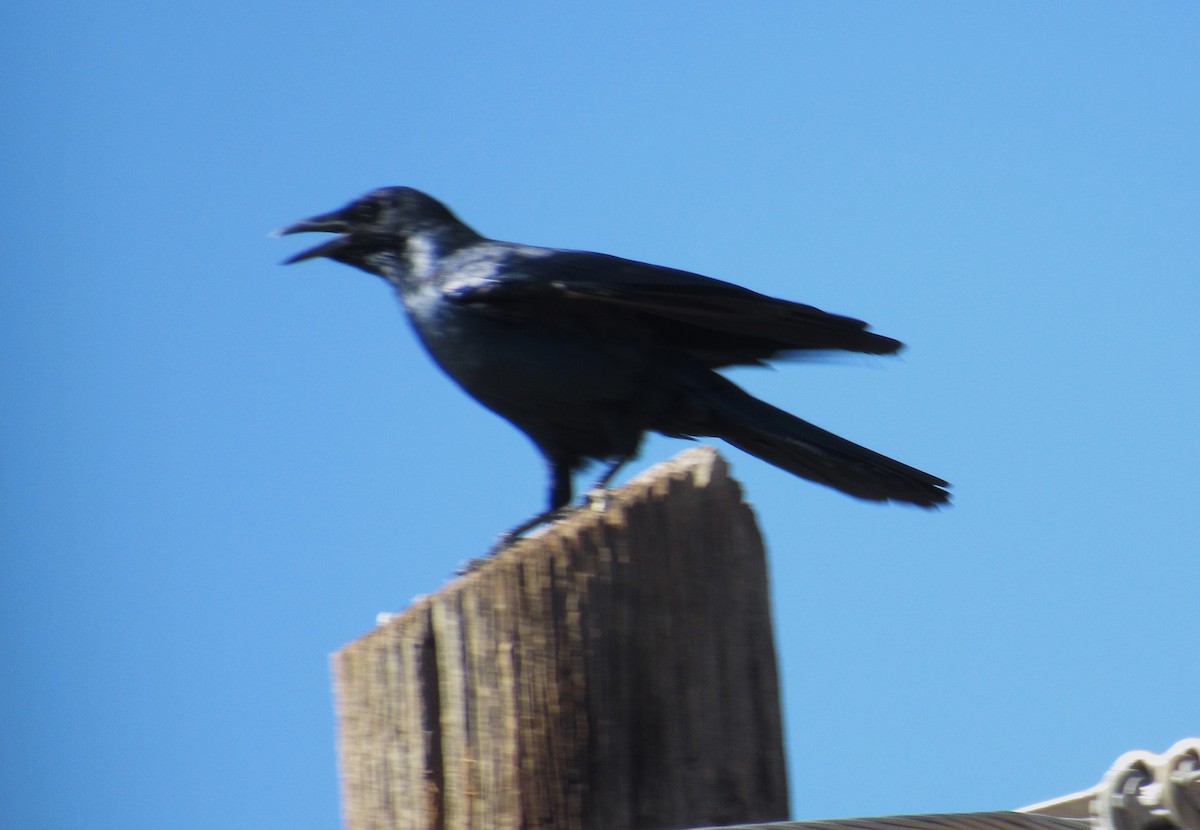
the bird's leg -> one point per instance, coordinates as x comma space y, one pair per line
560, 485
560, 497
597, 495
611, 470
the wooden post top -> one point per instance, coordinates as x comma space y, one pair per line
615, 670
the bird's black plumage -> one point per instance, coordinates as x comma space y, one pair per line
585, 352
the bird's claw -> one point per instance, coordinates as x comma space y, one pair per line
596, 499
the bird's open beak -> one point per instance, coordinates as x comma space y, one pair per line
327, 223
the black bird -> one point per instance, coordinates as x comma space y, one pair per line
585, 352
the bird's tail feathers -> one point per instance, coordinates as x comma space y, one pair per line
810, 452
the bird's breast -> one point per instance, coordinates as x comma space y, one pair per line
508, 363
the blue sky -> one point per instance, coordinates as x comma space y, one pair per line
215, 470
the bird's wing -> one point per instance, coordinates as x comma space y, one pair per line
717, 323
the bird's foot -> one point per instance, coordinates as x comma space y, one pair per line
509, 536
596, 499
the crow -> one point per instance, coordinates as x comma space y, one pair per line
586, 352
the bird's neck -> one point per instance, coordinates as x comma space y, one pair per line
421, 253
424, 249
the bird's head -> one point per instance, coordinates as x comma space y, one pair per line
374, 229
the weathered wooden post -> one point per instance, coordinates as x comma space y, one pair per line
617, 671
